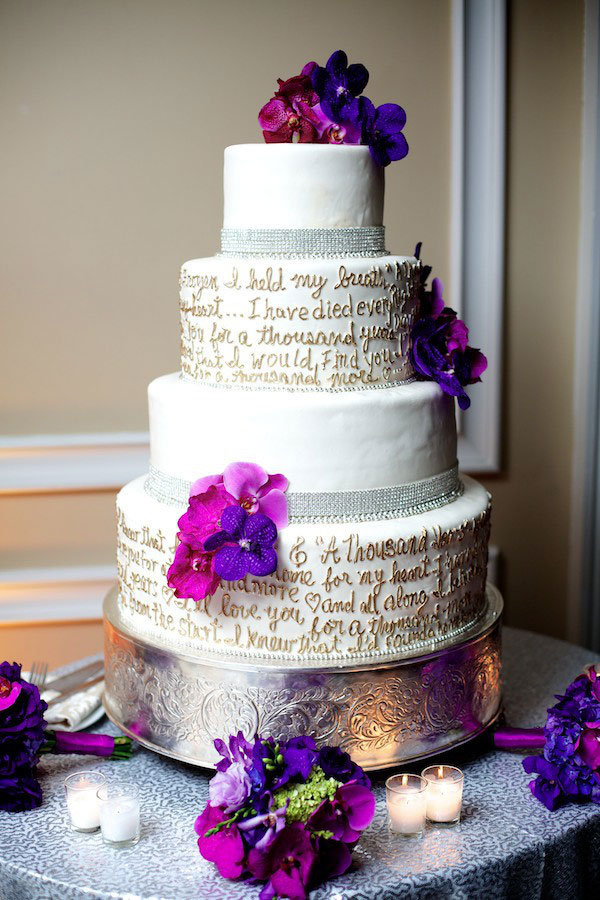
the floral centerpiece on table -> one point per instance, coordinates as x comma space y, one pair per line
325, 105
229, 530
439, 342
568, 768
24, 737
283, 813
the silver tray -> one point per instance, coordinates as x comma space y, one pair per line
382, 713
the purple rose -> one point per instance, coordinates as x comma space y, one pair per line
230, 789
337, 764
22, 722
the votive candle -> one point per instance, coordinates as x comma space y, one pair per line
444, 793
119, 813
82, 801
406, 804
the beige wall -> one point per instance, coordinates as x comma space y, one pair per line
113, 118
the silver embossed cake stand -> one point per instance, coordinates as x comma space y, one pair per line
384, 712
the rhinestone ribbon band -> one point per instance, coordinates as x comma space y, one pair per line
338, 506
303, 242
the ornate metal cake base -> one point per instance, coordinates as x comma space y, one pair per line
381, 713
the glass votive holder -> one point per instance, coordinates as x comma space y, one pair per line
82, 801
444, 794
405, 797
119, 804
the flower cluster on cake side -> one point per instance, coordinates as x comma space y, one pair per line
439, 342
284, 813
326, 105
229, 529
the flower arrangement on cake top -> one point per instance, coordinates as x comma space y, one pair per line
283, 813
229, 530
324, 105
569, 767
439, 342
24, 736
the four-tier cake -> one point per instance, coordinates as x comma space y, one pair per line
333, 582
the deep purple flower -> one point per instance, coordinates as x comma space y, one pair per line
338, 85
19, 790
299, 756
338, 764
225, 848
589, 745
244, 545
545, 787
260, 831
21, 716
439, 347
382, 131
294, 112
347, 815
238, 749
230, 789
287, 863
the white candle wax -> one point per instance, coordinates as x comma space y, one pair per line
444, 793
82, 806
120, 819
406, 804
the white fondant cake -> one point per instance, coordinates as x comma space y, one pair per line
296, 356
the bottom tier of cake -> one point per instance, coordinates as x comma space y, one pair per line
410, 708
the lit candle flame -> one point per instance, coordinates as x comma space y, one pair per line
404, 780
440, 771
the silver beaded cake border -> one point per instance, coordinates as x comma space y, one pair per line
396, 502
300, 243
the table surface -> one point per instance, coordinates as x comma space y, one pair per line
501, 848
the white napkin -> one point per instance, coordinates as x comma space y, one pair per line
68, 715
73, 711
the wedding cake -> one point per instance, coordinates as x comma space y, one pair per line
303, 553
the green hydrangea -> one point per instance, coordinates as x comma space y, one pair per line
304, 798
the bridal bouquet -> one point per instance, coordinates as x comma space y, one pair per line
24, 737
283, 813
569, 767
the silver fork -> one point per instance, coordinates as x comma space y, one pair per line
38, 675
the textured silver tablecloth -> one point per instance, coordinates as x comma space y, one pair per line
507, 845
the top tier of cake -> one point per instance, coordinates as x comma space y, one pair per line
301, 186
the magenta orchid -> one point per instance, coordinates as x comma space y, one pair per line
192, 572
252, 489
347, 815
294, 112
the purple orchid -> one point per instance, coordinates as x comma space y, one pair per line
288, 864
245, 545
264, 827
294, 112
382, 131
237, 750
252, 489
347, 815
589, 745
439, 347
338, 86
333, 859
224, 847
230, 789
192, 573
